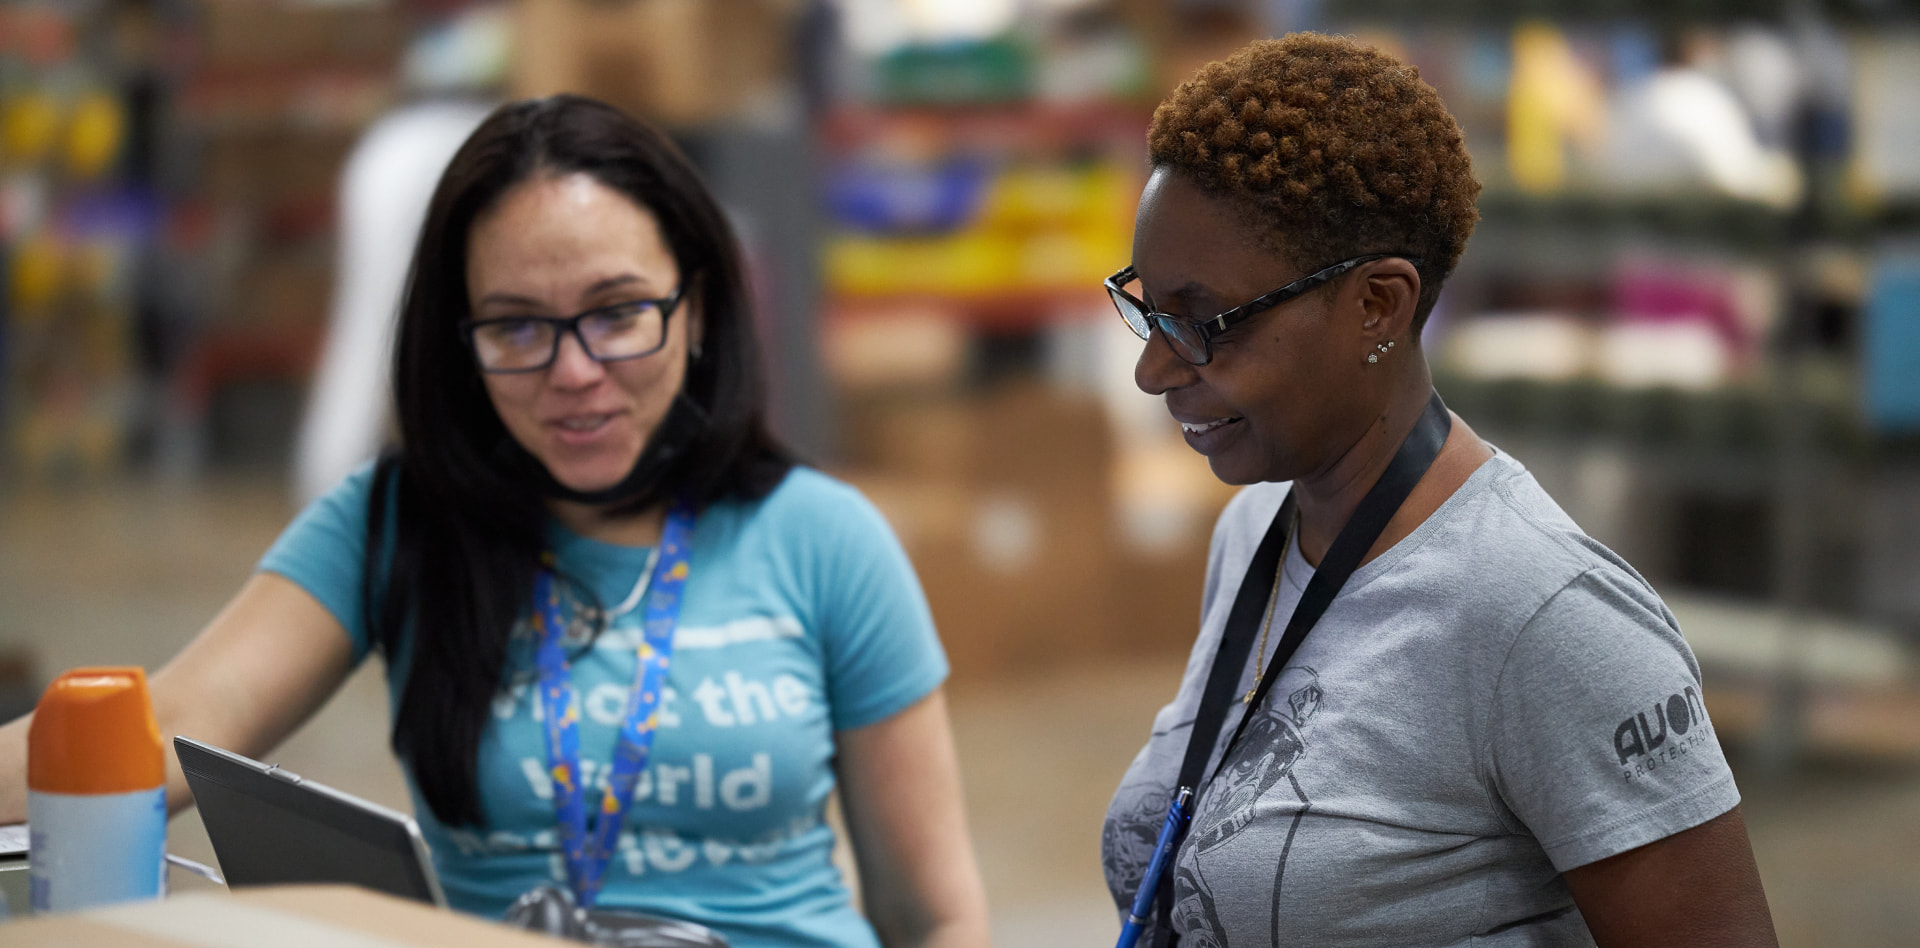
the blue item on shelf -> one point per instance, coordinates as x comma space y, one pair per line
131, 214
1890, 350
907, 199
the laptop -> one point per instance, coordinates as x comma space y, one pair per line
270, 826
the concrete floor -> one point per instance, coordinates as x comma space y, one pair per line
126, 573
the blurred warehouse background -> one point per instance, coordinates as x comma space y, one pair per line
1692, 308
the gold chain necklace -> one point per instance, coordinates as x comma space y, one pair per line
1273, 597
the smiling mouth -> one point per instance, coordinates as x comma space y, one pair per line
582, 422
1207, 426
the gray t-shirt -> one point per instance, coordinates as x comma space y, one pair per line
1494, 700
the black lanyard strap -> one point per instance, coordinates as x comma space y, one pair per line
1362, 530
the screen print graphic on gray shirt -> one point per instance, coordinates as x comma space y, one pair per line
1494, 700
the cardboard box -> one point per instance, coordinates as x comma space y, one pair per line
1044, 609
281, 292
267, 166
1009, 504
286, 35
282, 917
1004, 502
908, 437
681, 62
1023, 436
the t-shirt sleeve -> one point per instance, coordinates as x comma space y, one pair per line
1598, 737
322, 552
882, 653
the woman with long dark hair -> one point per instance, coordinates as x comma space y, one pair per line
632, 647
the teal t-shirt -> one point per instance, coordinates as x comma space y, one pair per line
802, 618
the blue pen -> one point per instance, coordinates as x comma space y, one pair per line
1163, 850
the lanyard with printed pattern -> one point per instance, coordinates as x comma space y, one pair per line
587, 851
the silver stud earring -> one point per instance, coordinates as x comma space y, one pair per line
1374, 357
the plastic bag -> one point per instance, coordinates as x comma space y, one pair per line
551, 910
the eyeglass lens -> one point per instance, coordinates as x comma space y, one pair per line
1184, 337
1186, 340
616, 332
1136, 320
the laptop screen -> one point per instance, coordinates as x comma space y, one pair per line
271, 827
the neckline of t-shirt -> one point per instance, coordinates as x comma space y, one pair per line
566, 540
1296, 571
1481, 480
609, 569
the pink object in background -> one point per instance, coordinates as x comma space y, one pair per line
1647, 290
1687, 324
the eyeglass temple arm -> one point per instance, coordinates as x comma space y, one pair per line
1219, 323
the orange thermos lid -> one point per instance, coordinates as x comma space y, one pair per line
93, 733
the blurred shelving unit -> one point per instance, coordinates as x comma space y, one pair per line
173, 285
976, 189
1003, 217
1701, 363
964, 237
276, 97
1675, 345
80, 219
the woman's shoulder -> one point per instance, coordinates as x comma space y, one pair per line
346, 501
811, 492
1503, 529
359, 482
808, 505
1521, 514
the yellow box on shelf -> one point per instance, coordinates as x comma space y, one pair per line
1067, 258
1052, 194
963, 264
976, 262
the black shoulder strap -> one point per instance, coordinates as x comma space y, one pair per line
1363, 528
1236, 646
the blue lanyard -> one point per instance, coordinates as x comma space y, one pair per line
589, 852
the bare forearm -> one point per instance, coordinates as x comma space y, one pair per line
13, 770
901, 782
955, 934
962, 923
266, 663
13, 767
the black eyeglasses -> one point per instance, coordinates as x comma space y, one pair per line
626, 330
1192, 339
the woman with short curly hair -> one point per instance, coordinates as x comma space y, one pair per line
1424, 707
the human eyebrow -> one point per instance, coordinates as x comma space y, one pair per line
598, 288
633, 289
612, 283
507, 299
1198, 301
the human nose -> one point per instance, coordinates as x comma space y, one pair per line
572, 367
1159, 369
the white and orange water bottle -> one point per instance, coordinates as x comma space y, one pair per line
97, 795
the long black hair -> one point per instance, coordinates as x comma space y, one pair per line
446, 582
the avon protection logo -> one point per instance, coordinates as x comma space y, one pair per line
1660, 734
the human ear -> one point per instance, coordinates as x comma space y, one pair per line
696, 325
1386, 294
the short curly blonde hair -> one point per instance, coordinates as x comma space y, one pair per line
1335, 149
